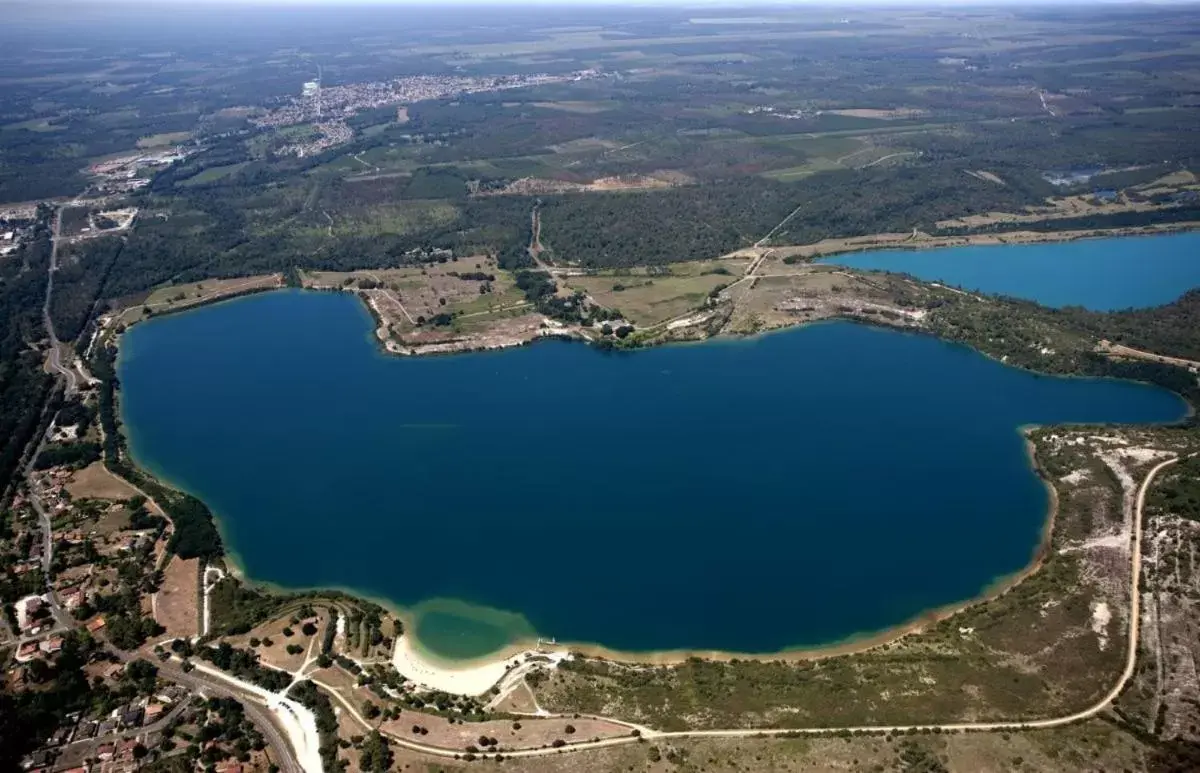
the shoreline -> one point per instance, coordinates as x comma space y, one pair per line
437, 671
423, 657
854, 643
897, 242
815, 253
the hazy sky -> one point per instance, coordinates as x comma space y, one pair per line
730, 4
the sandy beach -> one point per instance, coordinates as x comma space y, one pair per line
467, 679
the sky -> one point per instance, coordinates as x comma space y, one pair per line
732, 4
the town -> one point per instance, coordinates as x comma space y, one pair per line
328, 106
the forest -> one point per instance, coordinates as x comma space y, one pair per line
24, 387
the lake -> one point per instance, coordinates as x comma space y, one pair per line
1100, 274
794, 489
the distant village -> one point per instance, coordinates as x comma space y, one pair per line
327, 107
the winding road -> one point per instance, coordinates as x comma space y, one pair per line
261, 717
638, 732
278, 738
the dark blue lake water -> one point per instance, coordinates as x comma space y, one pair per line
1100, 274
793, 489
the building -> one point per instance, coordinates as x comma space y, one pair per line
153, 712
132, 717
27, 652
72, 597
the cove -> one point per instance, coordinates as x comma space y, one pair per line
789, 490
1099, 274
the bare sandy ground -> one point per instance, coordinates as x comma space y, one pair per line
97, 482
175, 604
472, 677
468, 679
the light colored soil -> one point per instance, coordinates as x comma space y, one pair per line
585, 108
162, 140
886, 115
1056, 208
1183, 177
534, 732
175, 604
175, 297
404, 295
348, 727
1125, 352
920, 240
276, 655
982, 174
664, 178
519, 701
96, 482
1087, 747
647, 301
650, 299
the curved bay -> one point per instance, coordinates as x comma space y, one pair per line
790, 490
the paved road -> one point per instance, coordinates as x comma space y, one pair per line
255, 712
153, 727
55, 345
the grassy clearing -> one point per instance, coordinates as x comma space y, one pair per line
173, 297
39, 125
427, 291
586, 108
162, 140
96, 482
276, 632
176, 605
647, 299
212, 174
584, 145
395, 218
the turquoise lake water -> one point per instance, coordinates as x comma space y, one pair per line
1100, 274
790, 490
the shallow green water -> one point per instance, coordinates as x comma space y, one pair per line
794, 489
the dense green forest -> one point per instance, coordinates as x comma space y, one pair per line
81, 274
703, 221
1170, 329
1179, 491
24, 387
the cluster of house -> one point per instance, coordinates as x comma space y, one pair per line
51, 645
317, 99
73, 585
121, 175
15, 222
110, 741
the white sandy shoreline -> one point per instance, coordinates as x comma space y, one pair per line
473, 679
